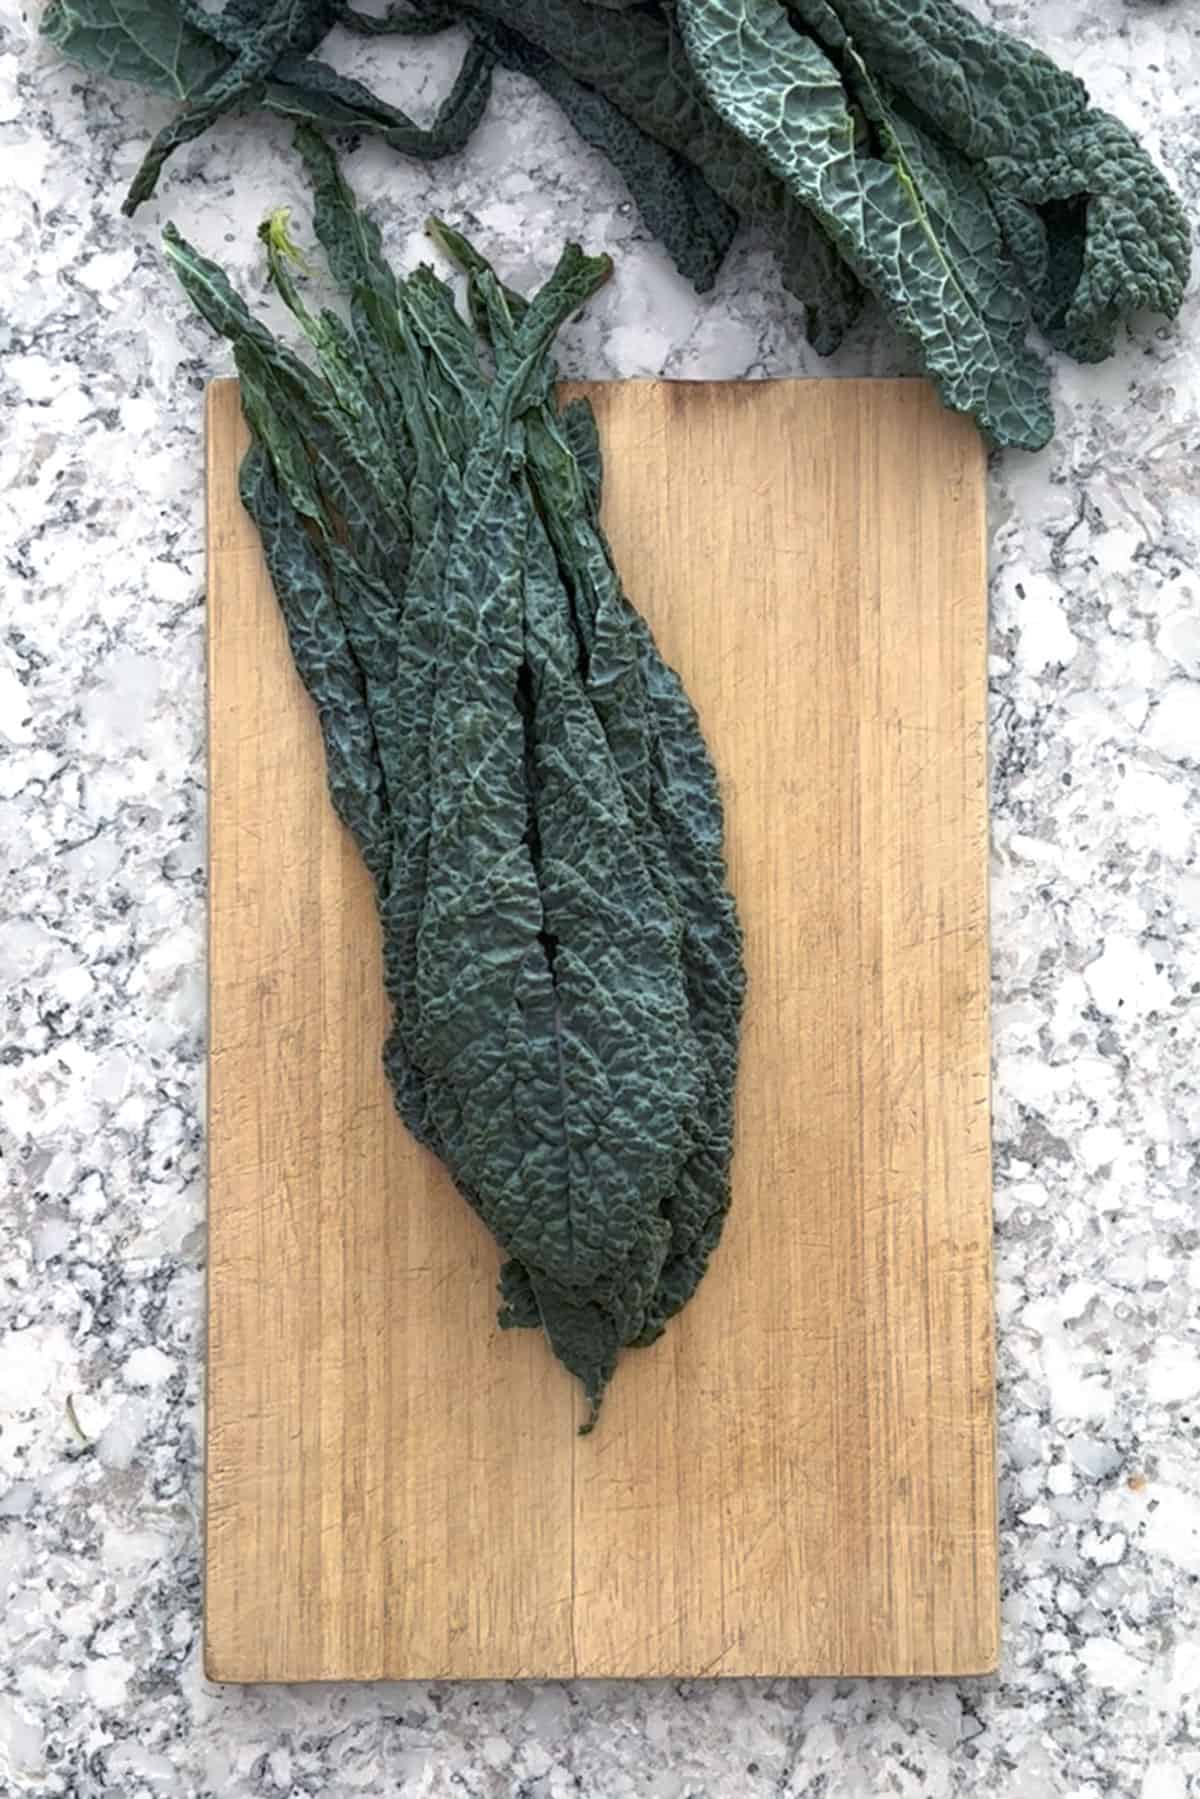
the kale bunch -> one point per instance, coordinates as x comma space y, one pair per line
524, 776
898, 146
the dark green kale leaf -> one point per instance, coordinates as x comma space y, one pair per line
636, 60
254, 53
1094, 228
694, 225
310, 92
909, 217
147, 41
284, 29
668, 786
259, 53
896, 145
525, 777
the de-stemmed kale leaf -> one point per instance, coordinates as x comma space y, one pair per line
899, 146
525, 777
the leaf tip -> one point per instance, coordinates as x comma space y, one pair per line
275, 232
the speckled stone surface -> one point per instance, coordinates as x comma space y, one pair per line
1096, 902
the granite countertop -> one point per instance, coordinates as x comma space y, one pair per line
1096, 900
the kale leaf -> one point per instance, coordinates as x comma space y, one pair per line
1094, 228
677, 203
636, 60
151, 43
900, 146
525, 777
911, 219
259, 53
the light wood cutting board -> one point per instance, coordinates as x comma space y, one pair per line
799, 1477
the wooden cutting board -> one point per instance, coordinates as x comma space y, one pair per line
799, 1477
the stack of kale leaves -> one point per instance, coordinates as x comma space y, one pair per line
900, 146
525, 777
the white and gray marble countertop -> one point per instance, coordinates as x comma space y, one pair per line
1096, 902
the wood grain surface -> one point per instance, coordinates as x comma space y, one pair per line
799, 1477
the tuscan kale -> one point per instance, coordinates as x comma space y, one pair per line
525, 777
899, 146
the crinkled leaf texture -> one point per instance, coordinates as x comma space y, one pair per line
526, 778
1094, 227
909, 216
147, 41
897, 145
634, 58
259, 53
